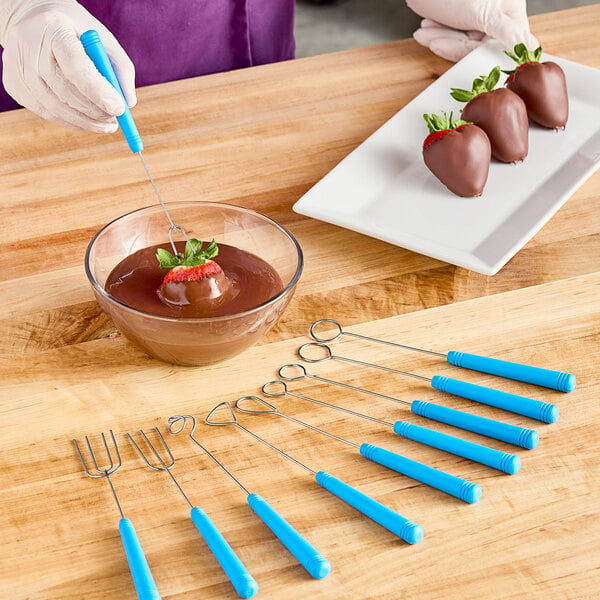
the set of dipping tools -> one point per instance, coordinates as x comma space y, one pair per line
156, 454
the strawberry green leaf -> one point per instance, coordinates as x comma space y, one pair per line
441, 123
193, 255
521, 55
166, 260
481, 85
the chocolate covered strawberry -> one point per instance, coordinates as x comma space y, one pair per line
458, 154
542, 85
501, 113
193, 277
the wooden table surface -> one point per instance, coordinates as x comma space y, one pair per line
260, 138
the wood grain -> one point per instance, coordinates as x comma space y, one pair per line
261, 137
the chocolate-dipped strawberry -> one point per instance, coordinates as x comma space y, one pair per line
542, 85
458, 154
501, 113
194, 280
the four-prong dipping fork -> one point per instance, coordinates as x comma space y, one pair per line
244, 584
138, 565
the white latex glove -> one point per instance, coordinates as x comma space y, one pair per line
46, 69
452, 28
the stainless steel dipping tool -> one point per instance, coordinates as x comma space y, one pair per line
401, 526
542, 411
555, 380
138, 565
503, 461
312, 560
505, 432
238, 574
96, 52
455, 486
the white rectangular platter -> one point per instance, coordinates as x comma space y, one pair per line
383, 189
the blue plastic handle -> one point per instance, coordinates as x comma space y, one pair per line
95, 50
503, 461
242, 581
555, 380
455, 486
518, 436
404, 528
138, 565
312, 560
528, 407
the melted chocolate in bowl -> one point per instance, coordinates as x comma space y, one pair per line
213, 330
248, 282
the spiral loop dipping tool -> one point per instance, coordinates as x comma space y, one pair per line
512, 434
138, 565
238, 574
92, 44
528, 407
401, 526
502, 461
455, 486
312, 560
555, 380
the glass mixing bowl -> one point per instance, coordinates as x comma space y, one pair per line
187, 340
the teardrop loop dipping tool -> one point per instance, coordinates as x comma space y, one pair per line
455, 486
518, 436
312, 560
502, 461
401, 526
97, 53
542, 411
138, 565
555, 380
238, 574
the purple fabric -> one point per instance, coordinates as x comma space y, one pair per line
176, 39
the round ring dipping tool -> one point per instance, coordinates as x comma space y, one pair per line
555, 380
502, 461
505, 432
528, 407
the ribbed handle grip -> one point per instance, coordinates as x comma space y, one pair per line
518, 436
138, 565
312, 560
528, 407
455, 486
95, 50
242, 581
404, 528
503, 461
555, 380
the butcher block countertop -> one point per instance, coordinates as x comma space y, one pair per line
260, 138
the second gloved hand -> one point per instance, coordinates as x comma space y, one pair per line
46, 69
453, 28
